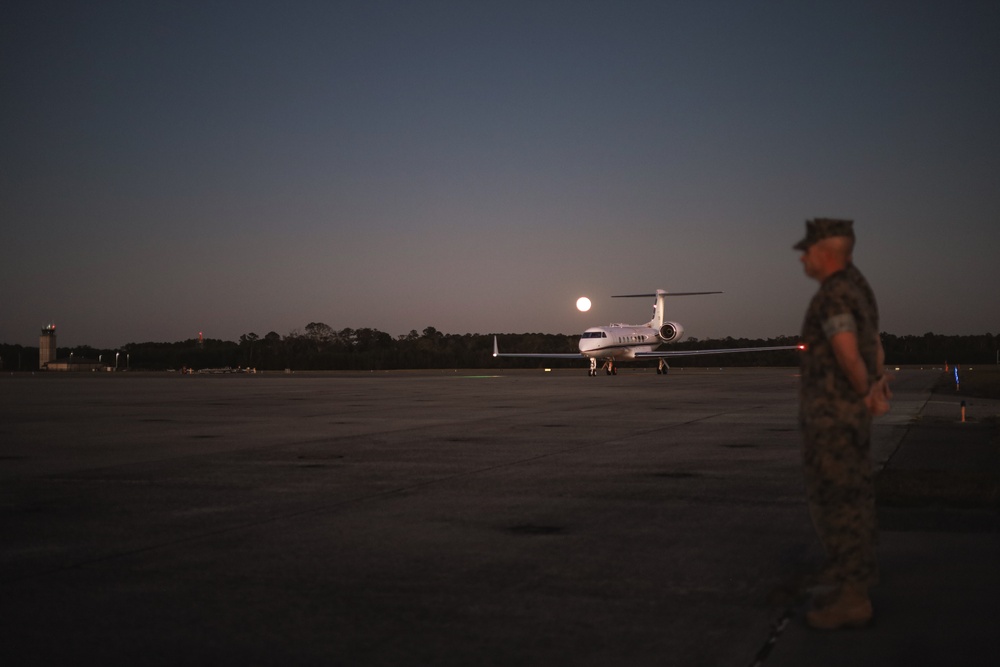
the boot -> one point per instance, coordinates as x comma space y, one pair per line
850, 608
824, 596
797, 588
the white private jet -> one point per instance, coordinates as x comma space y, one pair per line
627, 342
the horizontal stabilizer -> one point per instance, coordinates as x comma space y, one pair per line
631, 296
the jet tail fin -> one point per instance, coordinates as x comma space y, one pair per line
658, 309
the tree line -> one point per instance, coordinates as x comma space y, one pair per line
321, 347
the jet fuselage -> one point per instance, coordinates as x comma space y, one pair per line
618, 341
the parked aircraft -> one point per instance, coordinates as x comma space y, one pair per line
628, 342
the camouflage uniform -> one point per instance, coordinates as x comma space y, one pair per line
836, 427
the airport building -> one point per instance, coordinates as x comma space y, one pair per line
47, 355
75, 364
47, 346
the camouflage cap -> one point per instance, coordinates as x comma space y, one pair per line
824, 228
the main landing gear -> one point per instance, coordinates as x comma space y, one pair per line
662, 368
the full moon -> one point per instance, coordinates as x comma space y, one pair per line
583, 304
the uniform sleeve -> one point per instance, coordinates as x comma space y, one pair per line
836, 313
839, 324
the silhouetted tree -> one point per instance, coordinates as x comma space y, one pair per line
320, 347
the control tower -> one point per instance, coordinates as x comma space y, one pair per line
47, 345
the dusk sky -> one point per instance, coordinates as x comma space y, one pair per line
169, 168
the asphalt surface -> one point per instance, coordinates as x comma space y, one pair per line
438, 518
936, 601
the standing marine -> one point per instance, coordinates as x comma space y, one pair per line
843, 387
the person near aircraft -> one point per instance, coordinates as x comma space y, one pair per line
843, 385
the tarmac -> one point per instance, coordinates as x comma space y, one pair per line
940, 565
463, 517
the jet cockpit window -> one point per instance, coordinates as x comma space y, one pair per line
594, 334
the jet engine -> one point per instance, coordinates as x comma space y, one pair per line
670, 332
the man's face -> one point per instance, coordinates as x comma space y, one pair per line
811, 261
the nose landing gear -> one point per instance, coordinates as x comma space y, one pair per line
608, 367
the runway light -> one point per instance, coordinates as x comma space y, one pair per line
583, 304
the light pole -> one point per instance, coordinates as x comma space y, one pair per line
116, 360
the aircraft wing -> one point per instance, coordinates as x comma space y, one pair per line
568, 355
692, 353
